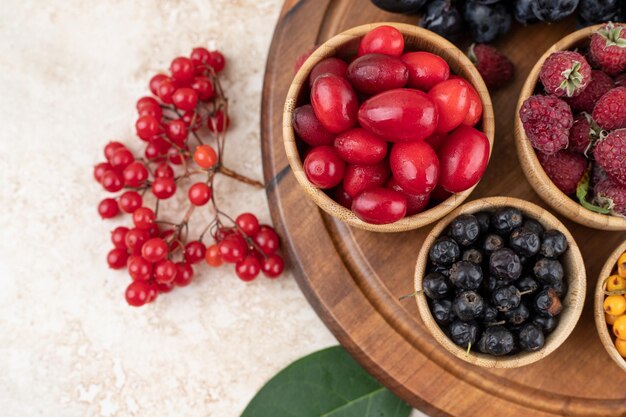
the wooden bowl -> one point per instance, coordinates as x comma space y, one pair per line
572, 304
603, 330
344, 44
530, 164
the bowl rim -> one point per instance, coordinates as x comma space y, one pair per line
598, 309
575, 297
533, 170
329, 48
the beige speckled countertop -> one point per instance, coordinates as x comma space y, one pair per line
69, 344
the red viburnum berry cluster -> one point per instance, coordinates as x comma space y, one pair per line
187, 104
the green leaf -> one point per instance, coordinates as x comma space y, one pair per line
328, 383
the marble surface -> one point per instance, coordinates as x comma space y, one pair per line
69, 344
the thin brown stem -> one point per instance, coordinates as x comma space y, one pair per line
242, 178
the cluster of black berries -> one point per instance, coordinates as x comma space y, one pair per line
495, 282
486, 20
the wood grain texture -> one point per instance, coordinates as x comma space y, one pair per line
603, 328
353, 278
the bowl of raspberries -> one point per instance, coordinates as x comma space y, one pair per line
387, 127
500, 282
570, 126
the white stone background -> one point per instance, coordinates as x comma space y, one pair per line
70, 73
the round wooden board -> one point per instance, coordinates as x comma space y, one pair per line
353, 278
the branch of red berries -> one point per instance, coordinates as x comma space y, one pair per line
188, 111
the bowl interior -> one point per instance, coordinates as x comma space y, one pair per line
530, 164
345, 45
603, 328
572, 304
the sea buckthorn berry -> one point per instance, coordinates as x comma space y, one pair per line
110, 149
182, 69
135, 238
116, 258
218, 62
154, 250
185, 98
199, 194
165, 271
163, 188
135, 174
249, 223
194, 251
249, 268
615, 283
205, 156
620, 345
273, 266
610, 319
137, 293
156, 81
184, 274
143, 218
615, 305
130, 201
118, 235
218, 122
621, 265
267, 239
139, 268
619, 327
112, 181
108, 208
212, 256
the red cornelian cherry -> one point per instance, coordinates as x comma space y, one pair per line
331, 65
121, 158
375, 73
273, 266
137, 293
379, 206
415, 203
112, 181
218, 122
205, 156
116, 258
108, 208
212, 256
118, 235
164, 187
463, 159
147, 127
382, 40
182, 69
452, 98
358, 146
194, 251
100, 169
143, 218
139, 269
475, 109
414, 166
156, 81
130, 201
110, 149
267, 239
154, 250
176, 131
249, 268
165, 271
334, 102
185, 98
204, 87
249, 223
200, 56
436, 140
233, 248
135, 174
134, 239
164, 171
184, 274
218, 62
309, 128
199, 194
425, 69
323, 167
341, 196
166, 90
359, 178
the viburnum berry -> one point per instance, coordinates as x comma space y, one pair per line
218, 122
267, 240
204, 87
121, 158
205, 156
143, 218
163, 288
156, 81
182, 69
116, 258
139, 269
135, 174
153, 292
147, 127
110, 149
233, 248
218, 62
177, 132
184, 274
100, 169
249, 223
166, 90
194, 252
137, 293
108, 208
212, 256
249, 268
154, 230
200, 56
185, 98
153, 152
145, 102
175, 156
163, 188
222, 232
199, 194
135, 238
112, 181
164, 171
165, 271
118, 235
130, 201
154, 250
273, 266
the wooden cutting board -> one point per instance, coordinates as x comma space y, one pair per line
353, 278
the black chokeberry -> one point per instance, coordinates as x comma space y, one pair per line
524, 242
554, 244
505, 265
518, 315
443, 270
465, 229
547, 302
492, 243
531, 337
548, 271
466, 275
534, 225
506, 298
527, 285
445, 251
506, 219
497, 341
483, 221
473, 255
464, 333
435, 286
442, 311
546, 323
490, 314
490, 283
468, 305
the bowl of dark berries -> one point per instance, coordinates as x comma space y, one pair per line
388, 127
500, 282
570, 126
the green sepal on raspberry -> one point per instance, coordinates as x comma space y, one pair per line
572, 79
582, 190
613, 35
565, 73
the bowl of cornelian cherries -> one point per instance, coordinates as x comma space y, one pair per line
388, 127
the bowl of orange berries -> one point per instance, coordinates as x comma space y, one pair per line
610, 306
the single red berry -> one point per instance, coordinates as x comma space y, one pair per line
205, 156
218, 62
204, 87
273, 266
359, 178
164, 288
495, 68
154, 152
212, 256
143, 218
110, 149
118, 236
425, 69
108, 208
176, 131
415, 203
147, 101
308, 127
452, 98
156, 81
334, 102
199, 194
166, 90
154, 250
610, 112
112, 181
565, 73
379, 206
610, 155
139, 269
184, 274
463, 159
374, 73
547, 121
100, 169
130, 201
194, 251
565, 169
233, 248
611, 195
151, 110
165, 271
163, 188
331, 65
324, 167
358, 146
116, 258
217, 122
182, 69
248, 269
385, 40
415, 166
249, 223
608, 48
599, 85
267, 239
135, 174
137, 293
185, 98
222, 232
176, 157
200, 57
134, 239
147, 127
164, 171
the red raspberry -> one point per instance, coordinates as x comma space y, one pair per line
610, 112
565, 169
600, 84
495, 68
547, 121
620, 80
610, 154
611, 195
565, 73
584, 131
608, 48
